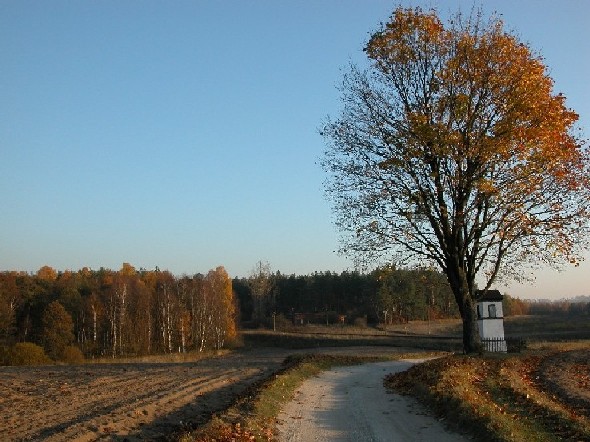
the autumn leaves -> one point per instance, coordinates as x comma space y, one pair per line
453, 149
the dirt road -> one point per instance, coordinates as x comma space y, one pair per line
351, 404
123, 401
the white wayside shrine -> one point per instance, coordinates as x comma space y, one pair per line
490, 319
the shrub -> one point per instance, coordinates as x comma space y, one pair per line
27, 353
71, 355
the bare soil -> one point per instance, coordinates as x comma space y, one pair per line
134, 401
124, 402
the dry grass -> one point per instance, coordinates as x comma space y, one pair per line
192, 356
448, 327
496, 397
321, 337
444, 327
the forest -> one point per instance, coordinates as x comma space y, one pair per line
116, 313
133, 312
386, 295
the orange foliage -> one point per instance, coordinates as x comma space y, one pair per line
220, 285
47, 273
477, 111
127, 270
455, 148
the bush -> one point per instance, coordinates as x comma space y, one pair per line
27, 353
71, 355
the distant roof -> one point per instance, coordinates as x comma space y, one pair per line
491, 295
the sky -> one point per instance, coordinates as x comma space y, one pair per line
184, 134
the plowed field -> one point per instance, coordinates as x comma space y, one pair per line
135, 401
123, 401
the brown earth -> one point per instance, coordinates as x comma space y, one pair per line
153, 401
131, 401
566, 375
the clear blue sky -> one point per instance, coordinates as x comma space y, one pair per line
184, 134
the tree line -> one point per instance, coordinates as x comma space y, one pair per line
385, 295
129, 312
117, 313
563, 307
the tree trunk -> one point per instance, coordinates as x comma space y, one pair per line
149, 339
467, 307
94, 325
471, 338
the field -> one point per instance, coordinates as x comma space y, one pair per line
124, 401
131, 401
566, 375
139, 400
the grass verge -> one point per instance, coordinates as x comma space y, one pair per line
495, 397
253, 416
168, 358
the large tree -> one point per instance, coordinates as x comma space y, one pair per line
452, 148
262, 288
58, 329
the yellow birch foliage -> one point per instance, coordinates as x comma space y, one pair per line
224, 305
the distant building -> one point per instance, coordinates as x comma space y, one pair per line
490, 319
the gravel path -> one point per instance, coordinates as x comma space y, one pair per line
351, 404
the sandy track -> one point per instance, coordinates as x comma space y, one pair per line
351, 404
123, 401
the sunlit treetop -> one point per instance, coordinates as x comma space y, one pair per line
478, 91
